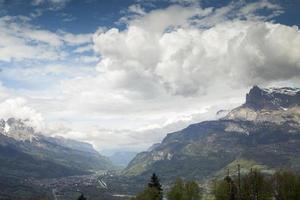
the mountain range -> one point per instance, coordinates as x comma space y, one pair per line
262, 133
122, 158
26, 154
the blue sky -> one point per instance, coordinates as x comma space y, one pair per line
76, 16
85, 16
114, 72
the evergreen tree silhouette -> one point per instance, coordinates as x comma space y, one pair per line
154, 182
156, 188
152, 192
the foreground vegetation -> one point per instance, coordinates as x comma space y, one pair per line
254, 185
283, 185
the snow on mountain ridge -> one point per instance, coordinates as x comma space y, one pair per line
18, 130
282, 90
272, 98
276, 105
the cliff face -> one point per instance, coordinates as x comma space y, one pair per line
264, 132
277, 105
272, 98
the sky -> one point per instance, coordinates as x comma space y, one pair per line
122, 74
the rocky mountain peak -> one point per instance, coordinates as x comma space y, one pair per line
264, 130
17, 129
273, 98
276, 105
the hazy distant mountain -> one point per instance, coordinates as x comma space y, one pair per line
122, 158
264, 132
25, 153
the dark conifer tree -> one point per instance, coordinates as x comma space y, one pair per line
154, 182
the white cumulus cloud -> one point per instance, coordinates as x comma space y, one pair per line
168, 68
18, 109
186, 60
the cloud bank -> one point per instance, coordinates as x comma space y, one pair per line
18, 109
166, 69
23, 41
163, 51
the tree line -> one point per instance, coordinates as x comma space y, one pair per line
254, 185
282, 185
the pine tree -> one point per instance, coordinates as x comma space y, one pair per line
153, 191
154, 182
